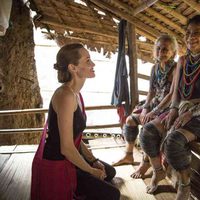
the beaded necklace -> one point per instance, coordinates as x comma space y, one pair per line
162, 75
191, 72
160, 81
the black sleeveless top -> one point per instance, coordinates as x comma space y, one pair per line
52, 145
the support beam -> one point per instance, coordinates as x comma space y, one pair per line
172, 12
93, 30
136, 10
133, 65
193, 4
160, 27
147, 19
145, 34
127, 17
165, 20
144, 6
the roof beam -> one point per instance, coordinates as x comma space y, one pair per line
160, 27
172, 12
93, 30
146, 18
146, 45
145, 34
138, 30
144, 6
193, 4
99, 32
129, 18
136, 10
165, 20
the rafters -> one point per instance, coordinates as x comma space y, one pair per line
165, 20
129, 18
85, 22
193, 4
172, 12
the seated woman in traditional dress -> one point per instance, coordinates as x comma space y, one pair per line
157, 101
184, 115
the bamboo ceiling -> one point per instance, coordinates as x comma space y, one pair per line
95, 22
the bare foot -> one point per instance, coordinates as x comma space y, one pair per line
126, 160
183, 192
141, 170
157, 176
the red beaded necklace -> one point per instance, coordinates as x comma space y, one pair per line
191, 72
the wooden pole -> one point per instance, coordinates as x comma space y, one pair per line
132, 64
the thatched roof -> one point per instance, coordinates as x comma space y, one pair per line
95, 22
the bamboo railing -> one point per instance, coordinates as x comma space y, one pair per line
89, 129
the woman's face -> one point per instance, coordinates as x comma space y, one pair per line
164, 51
85, 68
192, 38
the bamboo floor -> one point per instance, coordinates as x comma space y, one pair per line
15, 172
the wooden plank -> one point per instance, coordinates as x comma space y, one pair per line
134, 188
3, 160
130, 188
7, 148
15, 178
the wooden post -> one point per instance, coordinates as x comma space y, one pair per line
132, 53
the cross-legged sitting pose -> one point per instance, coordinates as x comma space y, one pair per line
183, 120
157, 101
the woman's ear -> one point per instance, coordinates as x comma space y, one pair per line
72, 68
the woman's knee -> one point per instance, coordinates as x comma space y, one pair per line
177, 151
150, 140
130, 121
114, 194
110, 171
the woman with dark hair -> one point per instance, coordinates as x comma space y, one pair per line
183, 119
67, 169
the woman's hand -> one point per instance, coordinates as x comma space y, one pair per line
142, 115
99, 173
148, 117
182, 119
169, 119
99, 165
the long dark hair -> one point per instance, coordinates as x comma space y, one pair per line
194, 20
